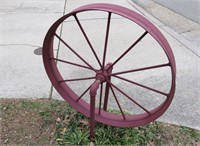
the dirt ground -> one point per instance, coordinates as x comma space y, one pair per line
22, 123
44, 122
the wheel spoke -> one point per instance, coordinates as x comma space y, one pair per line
83, 93
141, 85
87, 39
74, 52
135, 43
106, 95
77, 79
117, 102
100, 99
71, 63
141, 69
106, 39
129, 98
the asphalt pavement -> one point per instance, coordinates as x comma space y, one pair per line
179, 16
187, 8
23, 27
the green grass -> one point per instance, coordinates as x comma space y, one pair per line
72, 128
30, 105
156, 133
76, 132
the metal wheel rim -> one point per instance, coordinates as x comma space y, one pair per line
82, 106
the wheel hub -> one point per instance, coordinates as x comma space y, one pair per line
103, 74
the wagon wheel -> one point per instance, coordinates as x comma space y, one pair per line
104, 70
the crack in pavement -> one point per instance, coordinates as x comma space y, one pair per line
21, 5
189, 31
57, 54
4, 45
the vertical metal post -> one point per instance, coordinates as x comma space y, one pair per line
93, 91
109, 70
105, 104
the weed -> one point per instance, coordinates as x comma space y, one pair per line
30, 105
55, 122
8, 107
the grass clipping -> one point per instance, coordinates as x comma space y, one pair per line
52, 122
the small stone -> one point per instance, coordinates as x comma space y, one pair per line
58, 119
6, 141
92, 144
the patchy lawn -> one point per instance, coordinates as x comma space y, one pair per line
52, 122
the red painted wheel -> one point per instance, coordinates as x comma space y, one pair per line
140, 78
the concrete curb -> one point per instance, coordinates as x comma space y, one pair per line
193, 48
189, 49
